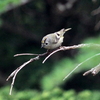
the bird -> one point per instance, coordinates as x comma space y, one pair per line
53, 40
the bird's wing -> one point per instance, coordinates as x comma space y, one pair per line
56, 40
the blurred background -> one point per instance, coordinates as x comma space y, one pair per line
23, 23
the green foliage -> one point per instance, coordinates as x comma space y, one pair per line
6, 4
62, 68
4, 94
55, 78
85, 95
69, 94
55, 94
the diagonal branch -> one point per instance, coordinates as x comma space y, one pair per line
48, 53
15, 72
63, 48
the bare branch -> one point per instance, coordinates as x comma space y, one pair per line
38, 56
25, 54
80, 65
14, 73
63, 48
93, 71
51, 54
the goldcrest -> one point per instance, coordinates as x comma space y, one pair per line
54, 40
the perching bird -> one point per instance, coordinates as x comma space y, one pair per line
53, 40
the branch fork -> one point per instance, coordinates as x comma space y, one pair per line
94, 71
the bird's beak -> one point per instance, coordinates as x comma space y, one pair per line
68, 29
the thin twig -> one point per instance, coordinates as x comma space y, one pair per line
15, 72
51, 54
25, 54
96, 69
93, 71
80, 65
63, 48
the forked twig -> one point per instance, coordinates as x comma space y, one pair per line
63, 48
38, 56
15, 72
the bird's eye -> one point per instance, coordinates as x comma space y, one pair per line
46, 43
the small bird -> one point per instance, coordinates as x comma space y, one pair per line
53, 40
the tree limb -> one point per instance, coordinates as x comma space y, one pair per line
48, 53
15, 72
63, 48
